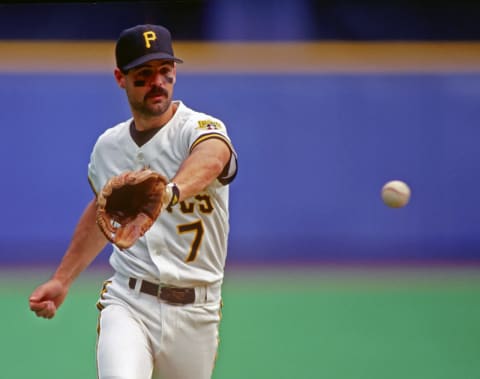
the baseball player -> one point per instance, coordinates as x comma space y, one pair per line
160, 311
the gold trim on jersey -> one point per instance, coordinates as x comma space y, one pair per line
223, 138
207, 136
104, 290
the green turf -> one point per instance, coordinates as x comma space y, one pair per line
289, 324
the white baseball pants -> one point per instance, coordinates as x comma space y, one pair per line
143, 337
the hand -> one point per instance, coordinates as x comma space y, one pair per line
47, 298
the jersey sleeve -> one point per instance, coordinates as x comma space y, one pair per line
93, 179
97, 166
203, 129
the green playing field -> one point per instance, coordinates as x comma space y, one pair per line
280, 323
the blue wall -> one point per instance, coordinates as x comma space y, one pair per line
314, 149
314, 152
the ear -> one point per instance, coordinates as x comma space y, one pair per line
119, 77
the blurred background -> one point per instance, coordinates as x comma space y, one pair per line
325, 102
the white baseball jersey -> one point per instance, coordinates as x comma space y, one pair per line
187, 244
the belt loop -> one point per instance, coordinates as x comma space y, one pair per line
135, 284
201, 294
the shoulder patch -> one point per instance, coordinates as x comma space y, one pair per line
209, 125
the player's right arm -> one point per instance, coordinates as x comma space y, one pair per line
87, 242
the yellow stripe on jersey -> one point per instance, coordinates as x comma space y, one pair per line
208, 136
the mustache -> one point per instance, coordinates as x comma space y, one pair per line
156, 91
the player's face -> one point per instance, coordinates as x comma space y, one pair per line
149, 87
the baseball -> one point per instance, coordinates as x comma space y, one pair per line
396, 194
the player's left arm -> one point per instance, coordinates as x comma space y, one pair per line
206, 162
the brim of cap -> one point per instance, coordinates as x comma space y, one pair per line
150, 57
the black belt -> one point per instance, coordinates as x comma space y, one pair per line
172, 295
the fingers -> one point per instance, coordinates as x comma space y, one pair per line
36, 296
45, 309
44, 300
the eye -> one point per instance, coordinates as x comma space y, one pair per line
145, 73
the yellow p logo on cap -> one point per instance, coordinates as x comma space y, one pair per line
149, 36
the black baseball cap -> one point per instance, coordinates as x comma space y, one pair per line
141, 44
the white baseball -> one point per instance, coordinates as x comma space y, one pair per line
396, 194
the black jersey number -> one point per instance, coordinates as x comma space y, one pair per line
197, 229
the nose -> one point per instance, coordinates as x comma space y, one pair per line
159, 79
